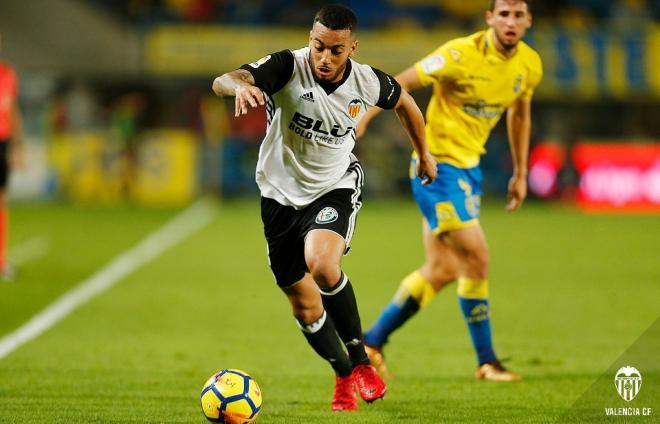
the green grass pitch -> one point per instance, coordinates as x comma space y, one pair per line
571, 295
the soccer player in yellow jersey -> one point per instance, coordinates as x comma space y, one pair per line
475, 79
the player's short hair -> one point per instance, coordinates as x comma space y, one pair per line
335, 17
528, 2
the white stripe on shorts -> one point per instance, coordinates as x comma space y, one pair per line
355, 200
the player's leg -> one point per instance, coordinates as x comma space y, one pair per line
323, 251
440, 266
472, 289
4, 230
319, 330
470, 244
415, 291
6, 271
287, 262
317, 327
331, 223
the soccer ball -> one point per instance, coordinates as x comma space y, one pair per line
231, 397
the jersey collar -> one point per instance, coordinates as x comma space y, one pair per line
331, 87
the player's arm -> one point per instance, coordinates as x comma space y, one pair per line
392, 96
239, 83
412, 121
519, 124
437, 66
408, 80
249, 83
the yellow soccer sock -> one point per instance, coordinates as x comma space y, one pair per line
473, 299
414, 292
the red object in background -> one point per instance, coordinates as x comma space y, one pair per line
618, 177
545, 162
251, 126
8, 95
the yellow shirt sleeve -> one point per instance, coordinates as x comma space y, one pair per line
442, 64
534, 75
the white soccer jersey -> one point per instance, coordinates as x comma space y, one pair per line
311, 125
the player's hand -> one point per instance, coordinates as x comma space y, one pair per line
517, 192
427, 168
247, 95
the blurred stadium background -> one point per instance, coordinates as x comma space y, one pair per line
122, 131
118, 106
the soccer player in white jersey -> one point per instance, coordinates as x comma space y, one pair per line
310, 181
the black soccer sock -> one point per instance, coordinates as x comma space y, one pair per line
340, 303
322, 336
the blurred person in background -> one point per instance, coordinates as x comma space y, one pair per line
126, 114
475, 79
310, 182
11, 138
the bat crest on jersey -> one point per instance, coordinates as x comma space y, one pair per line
354, 107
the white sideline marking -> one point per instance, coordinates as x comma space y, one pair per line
30, 249
176, 230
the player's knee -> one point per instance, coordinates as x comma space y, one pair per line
306, 313
441, 275
326, 273
478, 263
443, 278
306, 316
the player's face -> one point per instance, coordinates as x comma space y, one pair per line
509, 20
329, 51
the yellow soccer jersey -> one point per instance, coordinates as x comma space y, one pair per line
473, 84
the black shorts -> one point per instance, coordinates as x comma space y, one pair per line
286, 228
4, 163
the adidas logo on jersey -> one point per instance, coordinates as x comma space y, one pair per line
308, 96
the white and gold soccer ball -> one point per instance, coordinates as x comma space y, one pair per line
232, 397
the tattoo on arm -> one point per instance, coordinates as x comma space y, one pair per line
226, 84
244, 75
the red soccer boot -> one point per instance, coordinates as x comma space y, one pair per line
344, 398
369, 383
